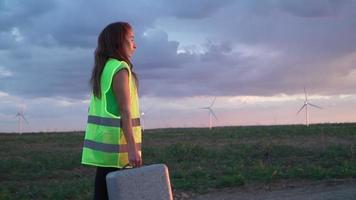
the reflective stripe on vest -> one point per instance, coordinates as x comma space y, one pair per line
105, 121
109, 148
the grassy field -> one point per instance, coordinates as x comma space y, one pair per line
47, 165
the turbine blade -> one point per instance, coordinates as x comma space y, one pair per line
212, 102
315, 106
305, 93
149, 108
23, 117
212, 112
301, 108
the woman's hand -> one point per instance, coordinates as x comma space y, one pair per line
135, 159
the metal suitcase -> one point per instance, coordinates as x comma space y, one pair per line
149, 182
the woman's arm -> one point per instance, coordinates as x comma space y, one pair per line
122, 93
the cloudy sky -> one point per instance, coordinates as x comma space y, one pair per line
254, 56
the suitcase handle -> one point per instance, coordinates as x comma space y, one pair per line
127, 165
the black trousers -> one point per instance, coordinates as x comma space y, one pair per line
100, 189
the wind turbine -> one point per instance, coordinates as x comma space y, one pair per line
305, 105
211, 113
142, 117
20, 116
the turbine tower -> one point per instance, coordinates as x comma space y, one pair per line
20, 116
305, 105
211, 113
142, 117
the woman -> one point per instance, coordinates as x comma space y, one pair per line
113, 132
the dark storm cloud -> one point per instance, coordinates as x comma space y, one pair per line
309, 46
22, 12
191, 74
77, 23
193, 9
48, 47
59, 72
316, 8
156, 51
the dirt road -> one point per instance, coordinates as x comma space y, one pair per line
305, 190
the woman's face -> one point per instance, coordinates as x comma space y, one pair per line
131, 47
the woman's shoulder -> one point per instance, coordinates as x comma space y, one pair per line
117, 61
115, 64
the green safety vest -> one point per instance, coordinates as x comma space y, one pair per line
105, 144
